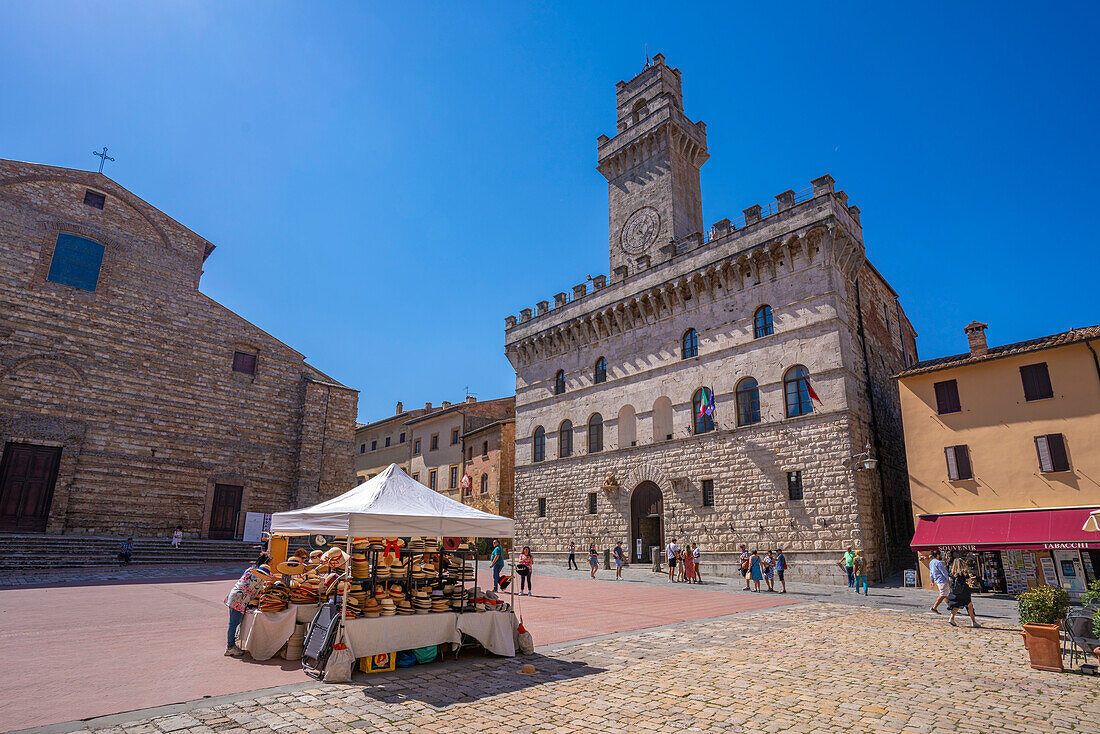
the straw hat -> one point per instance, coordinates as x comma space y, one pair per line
292, 567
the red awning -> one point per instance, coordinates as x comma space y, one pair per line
1015, 529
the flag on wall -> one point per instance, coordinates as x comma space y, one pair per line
706, 404
813, 395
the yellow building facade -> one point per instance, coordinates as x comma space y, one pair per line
1003, 450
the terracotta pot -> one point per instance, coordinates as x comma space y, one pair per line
1044, 646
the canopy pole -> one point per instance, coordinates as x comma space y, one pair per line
347, 587
512, 583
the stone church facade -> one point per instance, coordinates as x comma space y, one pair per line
722, 387
130, 402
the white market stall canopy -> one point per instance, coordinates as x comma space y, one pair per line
389, 505
1093, 522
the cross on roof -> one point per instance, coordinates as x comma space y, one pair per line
103, 157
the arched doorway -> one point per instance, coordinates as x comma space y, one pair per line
646, 523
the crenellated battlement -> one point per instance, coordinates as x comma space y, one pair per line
724, 232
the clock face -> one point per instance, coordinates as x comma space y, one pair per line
640, 231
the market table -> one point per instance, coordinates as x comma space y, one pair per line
369, 637
264, 633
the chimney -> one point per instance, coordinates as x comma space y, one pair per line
975, 334
399, 408
446, 405
471, 399
427, 406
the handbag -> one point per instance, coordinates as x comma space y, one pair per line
524, 642
338, 667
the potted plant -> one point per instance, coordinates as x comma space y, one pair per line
1041, 613
1091, 601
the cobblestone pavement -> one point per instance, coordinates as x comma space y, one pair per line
806, 669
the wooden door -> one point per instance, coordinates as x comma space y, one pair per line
225, 510
27, 477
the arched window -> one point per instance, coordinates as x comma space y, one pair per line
796, 387
662, 419
690, 344
559, 383
748, 402
565, 439
595, 433
641, 109
762, 322
599, 374
702, 408
628, 427
484, 483
538, 445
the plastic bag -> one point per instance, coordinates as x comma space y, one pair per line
426, 654
406, 659
339, 665
524, 642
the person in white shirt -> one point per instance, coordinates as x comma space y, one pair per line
670, 554
695, 557
177, 537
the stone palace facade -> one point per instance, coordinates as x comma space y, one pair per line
722, 386
130, 402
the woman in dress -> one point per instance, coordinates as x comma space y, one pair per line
959, 598
689, 565
247, 588
769, 570
525, 566
755, 571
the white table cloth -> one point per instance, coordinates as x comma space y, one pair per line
264, 633
368, 637
494, 630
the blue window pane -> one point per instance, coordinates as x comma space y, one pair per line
76, 262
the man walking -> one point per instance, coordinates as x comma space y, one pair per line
618, 553
745, 559
780, 567
496, 560
847, 561
573, 556
670, 555
937, 569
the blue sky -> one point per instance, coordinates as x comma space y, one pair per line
385, 182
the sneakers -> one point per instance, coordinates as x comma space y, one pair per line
234, 652
952, 623
975, 625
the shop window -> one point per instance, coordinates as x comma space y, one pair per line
434, 445
958, 463
1036, 381
559, 383
762, 322
431, 479
595, 433
947, 397
689, 344
542, 507
748, 402
794, 485
708, 493
565, 439
591, 503
796, 388
94, 199
244, 362
702, 407
76, 262
454, 436
538, 445
599, 373
484, 483
1052, 453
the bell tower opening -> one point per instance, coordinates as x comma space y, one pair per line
652, 170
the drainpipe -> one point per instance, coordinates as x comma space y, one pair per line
874, 423
1095, 360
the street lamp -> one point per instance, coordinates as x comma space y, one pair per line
864, 461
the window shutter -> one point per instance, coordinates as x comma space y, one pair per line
1043, 448
1059, 459
962, 460
952, 466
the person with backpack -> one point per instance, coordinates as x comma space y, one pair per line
746, 558
525, 567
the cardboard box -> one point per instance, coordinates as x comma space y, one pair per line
380, 663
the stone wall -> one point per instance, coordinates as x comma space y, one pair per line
135, 379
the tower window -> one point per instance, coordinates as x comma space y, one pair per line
565, 439
592, 503
595, 433
762, 322
76, 262
559, 383
702, 406
484, 483
794, 485
244, 362
542, 507
538, 445
689, 344
599, 374
796, 387
708, 493
641, 109
748, 402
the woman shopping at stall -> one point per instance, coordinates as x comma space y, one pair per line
247, 588
525, 566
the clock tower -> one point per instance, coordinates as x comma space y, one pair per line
652, 170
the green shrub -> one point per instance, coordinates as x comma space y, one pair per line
1092, 599
1045, 605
